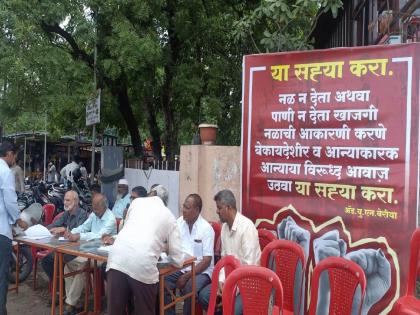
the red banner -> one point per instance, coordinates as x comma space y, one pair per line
331, 157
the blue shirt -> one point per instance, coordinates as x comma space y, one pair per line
9, 210
94, 227
120, 205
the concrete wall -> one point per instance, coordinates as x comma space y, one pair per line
207, 169
169, 179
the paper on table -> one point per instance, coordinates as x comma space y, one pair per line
37, 232
105, 248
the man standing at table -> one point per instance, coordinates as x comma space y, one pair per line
239, 239
101, 221
123, 199
150, 228
198, 241
9, 214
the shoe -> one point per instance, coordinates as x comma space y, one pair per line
71, 310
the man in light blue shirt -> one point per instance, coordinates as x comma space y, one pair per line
123, 199
9, 214
101, 221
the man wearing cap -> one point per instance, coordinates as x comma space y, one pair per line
123, 199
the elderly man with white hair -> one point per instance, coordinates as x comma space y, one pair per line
150, 228
123, 199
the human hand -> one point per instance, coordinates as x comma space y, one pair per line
329, 244
378, 275
22, 224
71, 237
288, 229
58, 230
107, 239
182, 281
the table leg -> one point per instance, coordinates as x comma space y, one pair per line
161, 295
54, 284
97, 280
193, 288
60, 279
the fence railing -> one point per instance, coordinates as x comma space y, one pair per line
155, 164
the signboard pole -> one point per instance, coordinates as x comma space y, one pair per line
93, 155
92, 167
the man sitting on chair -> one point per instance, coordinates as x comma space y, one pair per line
101, 221
197, 240
239, 239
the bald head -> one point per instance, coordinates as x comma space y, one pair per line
99, 205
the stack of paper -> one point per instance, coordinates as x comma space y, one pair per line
104, 248
37, 232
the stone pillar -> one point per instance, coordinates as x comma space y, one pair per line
207, 169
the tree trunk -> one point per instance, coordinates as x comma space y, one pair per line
153, 127
171, 134
126, 111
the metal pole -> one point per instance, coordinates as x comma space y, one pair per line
45, 150
92, 167
24, 158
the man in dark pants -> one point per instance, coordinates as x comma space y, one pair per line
9, 214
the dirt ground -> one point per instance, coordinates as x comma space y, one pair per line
30, 302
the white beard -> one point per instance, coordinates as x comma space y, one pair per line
119, 196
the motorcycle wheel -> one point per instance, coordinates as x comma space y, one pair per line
25, 265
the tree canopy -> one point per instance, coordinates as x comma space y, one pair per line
163, 66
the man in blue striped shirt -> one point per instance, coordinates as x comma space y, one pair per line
9, 214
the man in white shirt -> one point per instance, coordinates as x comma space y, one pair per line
150, 228
9, 214
197, 240
123, 199
239, 239
67, 172
101, 221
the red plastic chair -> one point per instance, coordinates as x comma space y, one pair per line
217, 228
344, 277
38, 254
409, 304
284, 258
255, 286
49, 210
229, 263
265, 237
118, 221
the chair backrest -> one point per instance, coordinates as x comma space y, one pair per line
58, 216
255, 286
265, 237
49, 210
414, 265
217, 228
284, 258
229, 263
344, 276
118, 222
